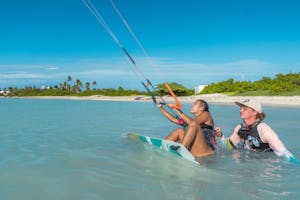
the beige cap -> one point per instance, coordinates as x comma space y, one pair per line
250, 103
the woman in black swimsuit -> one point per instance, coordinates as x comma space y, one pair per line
197, 136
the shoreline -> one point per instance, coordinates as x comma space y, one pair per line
286, 101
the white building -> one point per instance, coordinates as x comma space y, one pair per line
43, 87
4, 92
199, 88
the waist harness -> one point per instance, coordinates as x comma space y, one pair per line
251, 137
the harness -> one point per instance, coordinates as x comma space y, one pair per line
208, 132
203, 125
251, 138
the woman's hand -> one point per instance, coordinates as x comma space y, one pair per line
218, 133
159, 104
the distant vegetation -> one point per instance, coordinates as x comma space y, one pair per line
178, 89
288, 85
76, 89
33, 91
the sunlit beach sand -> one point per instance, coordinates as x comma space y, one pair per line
210, 98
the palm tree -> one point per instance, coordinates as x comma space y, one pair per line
69, 85
73, 88
94, 84
65, 85
87, 85
69, 79
78, 85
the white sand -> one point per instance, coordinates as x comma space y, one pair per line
210, 98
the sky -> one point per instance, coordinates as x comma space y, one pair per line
191, 42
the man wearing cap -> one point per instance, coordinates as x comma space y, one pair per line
254, 134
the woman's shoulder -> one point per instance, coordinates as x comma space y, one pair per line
237, 127
208, 114
265, 129
263, 125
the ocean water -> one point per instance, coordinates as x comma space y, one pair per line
75, 149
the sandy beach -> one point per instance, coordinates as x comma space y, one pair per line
290, 101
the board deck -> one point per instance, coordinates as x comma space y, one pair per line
168, 146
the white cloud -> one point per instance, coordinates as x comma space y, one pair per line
237, 67
103, 72
52, 68
21, 75
157, 70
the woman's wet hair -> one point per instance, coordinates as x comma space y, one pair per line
204, 104
261, 116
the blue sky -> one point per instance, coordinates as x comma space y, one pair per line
190, 42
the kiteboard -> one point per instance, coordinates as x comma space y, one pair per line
165, 145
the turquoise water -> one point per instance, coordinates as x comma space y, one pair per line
68, 149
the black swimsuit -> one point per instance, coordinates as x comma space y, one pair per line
208, 132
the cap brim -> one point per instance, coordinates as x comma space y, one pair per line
258, 109
238, 103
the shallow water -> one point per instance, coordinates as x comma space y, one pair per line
71, 149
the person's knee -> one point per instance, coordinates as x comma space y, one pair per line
180, 129
192, 123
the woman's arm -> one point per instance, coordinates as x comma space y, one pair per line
167, 114
184, 117
267, 135
204, 118
233, 140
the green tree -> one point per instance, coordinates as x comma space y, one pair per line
87, 86
69, 85
94, 84
78, 86
177, 88
280, 85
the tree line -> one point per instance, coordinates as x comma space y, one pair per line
69, 88
288, 84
